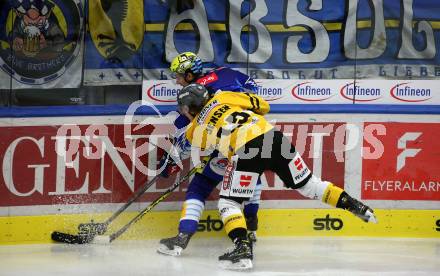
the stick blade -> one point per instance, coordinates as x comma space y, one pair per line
69, 238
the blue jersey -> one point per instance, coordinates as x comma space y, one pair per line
222, 79
226, 79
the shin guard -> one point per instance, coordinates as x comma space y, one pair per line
233, 219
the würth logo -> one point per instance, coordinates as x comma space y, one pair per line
298, 164
245, 180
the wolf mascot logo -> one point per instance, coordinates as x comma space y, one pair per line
39, 38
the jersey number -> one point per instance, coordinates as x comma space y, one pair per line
234, 120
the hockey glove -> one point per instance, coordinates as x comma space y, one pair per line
169, 166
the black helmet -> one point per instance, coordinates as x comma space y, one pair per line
194, 96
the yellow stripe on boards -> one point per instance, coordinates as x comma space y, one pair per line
337, 222
280, 28
183, 212
281, 222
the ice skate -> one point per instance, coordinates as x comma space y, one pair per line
240, 258
359, 209
174, 246
252, 236
252, 226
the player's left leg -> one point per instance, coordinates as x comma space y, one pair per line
216, 170
198, 191
240, 257
237, 186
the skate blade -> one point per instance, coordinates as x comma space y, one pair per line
370, 217
252, 237
163, 249
243, 264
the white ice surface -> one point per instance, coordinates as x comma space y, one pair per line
273, 256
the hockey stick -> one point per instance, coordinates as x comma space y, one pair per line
86, 236
87, 231
115, 235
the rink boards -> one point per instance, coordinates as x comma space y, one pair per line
272, 222
61, 171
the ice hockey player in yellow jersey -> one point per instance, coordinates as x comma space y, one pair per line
234, 124
228, 121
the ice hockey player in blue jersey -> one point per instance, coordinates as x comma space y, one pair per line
186, 69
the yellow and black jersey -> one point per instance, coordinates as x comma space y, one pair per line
228, 121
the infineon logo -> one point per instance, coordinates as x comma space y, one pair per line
405, 93
359, 93
161, 93
309, 92
269, 93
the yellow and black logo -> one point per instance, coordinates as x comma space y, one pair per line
116, 27
209, 225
